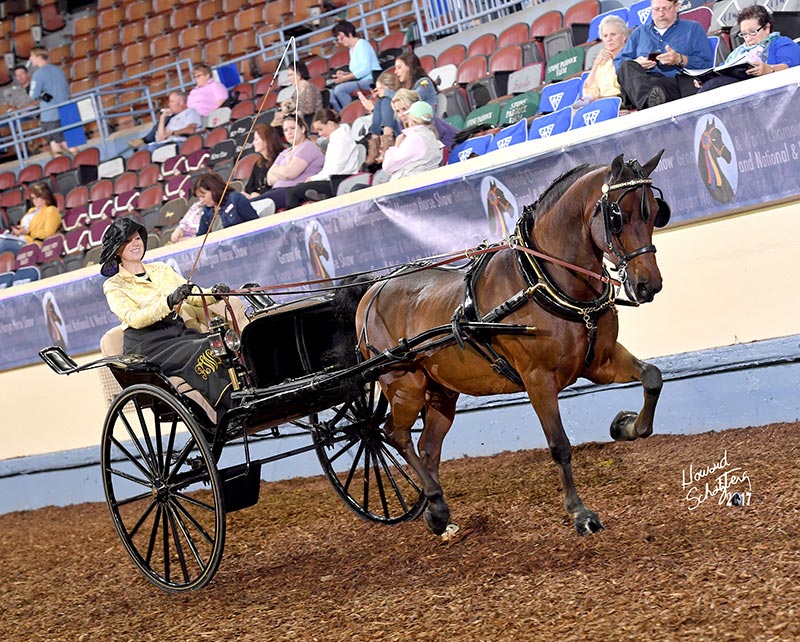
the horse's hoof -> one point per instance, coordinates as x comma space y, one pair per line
622, 428
450, 532
587, 523
437, 519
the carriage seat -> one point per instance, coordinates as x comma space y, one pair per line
111, 346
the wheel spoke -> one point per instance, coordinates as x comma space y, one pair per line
132, 435
365, 504
354, 466
351, 442
170, 445
165, 543
195, 502
130, 478
132, 459
390, 476
379, 483
142, 519
385, 452
154, 462
151, 545
181, 459
176, 509
177, 540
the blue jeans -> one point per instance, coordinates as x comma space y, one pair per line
11, 243
340, 96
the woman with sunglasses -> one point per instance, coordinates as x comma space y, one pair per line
766, 50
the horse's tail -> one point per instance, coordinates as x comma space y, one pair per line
351, 290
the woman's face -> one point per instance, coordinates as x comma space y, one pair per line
400, 112
205, 197
133, 249
201, 77
613, 38
292, 133
324, 129
401, 69
752, 32
259, 144
38, 201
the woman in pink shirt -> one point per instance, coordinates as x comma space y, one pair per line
209, 93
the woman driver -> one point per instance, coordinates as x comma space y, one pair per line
143, 298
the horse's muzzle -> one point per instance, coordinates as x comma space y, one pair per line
644, 291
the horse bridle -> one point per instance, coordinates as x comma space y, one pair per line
613, 222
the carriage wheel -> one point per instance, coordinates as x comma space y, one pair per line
163, 489
365, 470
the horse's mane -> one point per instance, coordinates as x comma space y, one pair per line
556, 190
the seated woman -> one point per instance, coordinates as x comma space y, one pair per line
418, 148
306, 100
412, 76
190, 223
294, 165
341, 158
208, 94
602, 79
768, 51
40, 221
267, 142
230, 206
143, 298
380, 105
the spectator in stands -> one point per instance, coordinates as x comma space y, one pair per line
648, 65
379, 104
602, 79
40, 221
231, 207
363, 64
175, 124
401, 103
307, 99
190, 223
17, 95
50, 87
417, 148
294, 165
411, 75
767, 50
341, 159
209, 94
267, 142
144, 297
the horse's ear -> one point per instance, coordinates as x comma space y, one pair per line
650, 165
617, 166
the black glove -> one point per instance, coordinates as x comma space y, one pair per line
220, 288
180, 294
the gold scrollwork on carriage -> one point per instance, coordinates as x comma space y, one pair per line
207, 364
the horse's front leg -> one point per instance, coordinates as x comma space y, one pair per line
545, 403
623, 367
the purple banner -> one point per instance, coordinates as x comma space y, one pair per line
716, 161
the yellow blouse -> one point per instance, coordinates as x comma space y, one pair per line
46, 222
605, 83
139, 301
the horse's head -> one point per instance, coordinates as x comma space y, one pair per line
712, 144
622, 224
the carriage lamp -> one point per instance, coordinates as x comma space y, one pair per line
215, 337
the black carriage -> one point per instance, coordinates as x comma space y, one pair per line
167, 484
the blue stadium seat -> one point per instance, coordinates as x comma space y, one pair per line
511, 135
596, 111
638, 13
26, 275
6, 279
465, 150
594, 25
551, 124
560, 94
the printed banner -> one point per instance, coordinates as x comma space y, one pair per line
716, 161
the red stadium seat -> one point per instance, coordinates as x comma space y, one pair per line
484, 45
514, 35
454, 55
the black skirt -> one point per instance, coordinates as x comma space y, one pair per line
183, 352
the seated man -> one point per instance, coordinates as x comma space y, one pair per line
648, 65
175, 124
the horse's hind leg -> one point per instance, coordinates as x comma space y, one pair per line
544, 397
406, 393
624, 368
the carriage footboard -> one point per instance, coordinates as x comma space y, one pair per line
61, 363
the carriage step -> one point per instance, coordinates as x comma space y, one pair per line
240, 486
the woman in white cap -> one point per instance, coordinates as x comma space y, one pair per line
418, 148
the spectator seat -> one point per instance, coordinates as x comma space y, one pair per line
559, 95
596, 111
509, 135
551, 124
476, 146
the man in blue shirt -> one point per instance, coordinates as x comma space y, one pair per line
648, 65
50, 87
363, 62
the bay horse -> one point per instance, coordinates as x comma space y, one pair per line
710, 149
568, 320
